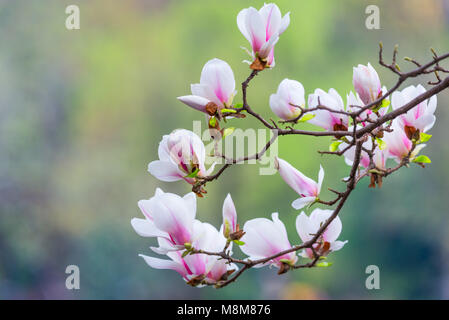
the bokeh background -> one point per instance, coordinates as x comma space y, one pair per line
82, 113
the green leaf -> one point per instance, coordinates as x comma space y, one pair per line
238, 105
238, 242
334, 146
384, 104
422, 159
193, 174
307, 117
324, 264
286, 261
424, 137
228, 131
185, 253
381, 144
213, 122
228, 110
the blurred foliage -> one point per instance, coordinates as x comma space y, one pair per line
83, 113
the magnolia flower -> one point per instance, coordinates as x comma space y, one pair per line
308, 189
284, 102
262, 29
167, 216
399, 145
197, 269
307, 227
181, 156
354, 101
229, 217
421, 117
215, 90
330, 121
367, 83
264, 238
379, 157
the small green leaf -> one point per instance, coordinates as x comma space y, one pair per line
381, 144
228, 131
238, 242
286, 261
324, 264
238, 105
334, 146
384, 104
422, 159
193, 174
213, 122
424, 137
185, 253
307, 117
228, 110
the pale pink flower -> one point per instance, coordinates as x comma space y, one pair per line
379, 158
307, 227
264, 238
196, 269
290, 93
354, 103
366, 83
421, 117
217, 85
167, 216
308, 189
399, 145
181, 153
328, 120
262, 29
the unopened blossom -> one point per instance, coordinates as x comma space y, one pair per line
398, 145
308, 226
262, 29
167, 216
216, 89
421, 117
264, 238
181, 154
229, 217
330, 121
289, 96
367, 83
196, 269
308, 189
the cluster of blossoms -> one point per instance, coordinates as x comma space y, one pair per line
199, 252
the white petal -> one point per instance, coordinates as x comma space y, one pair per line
164, 171
196, 102
302, 202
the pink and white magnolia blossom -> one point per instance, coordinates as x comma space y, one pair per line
421, 117
398, 145
262, 29
229, 217
290, 93
330, 121
353, 101
181, 153
307, 227
167, 216
264, 238
366, 83
217, 85
379, 158
308, 189
196, 269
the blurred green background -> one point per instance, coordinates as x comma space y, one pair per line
83, 111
